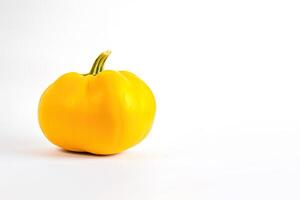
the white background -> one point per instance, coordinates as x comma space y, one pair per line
226, 79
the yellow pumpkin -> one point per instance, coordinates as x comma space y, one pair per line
102, 112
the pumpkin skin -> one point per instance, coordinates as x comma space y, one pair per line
104, 112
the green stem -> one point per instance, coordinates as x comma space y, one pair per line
99, 63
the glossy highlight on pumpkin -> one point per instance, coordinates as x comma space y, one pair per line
102, 112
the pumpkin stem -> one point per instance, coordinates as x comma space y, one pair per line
99, 63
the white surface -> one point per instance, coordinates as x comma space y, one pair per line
226, 79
